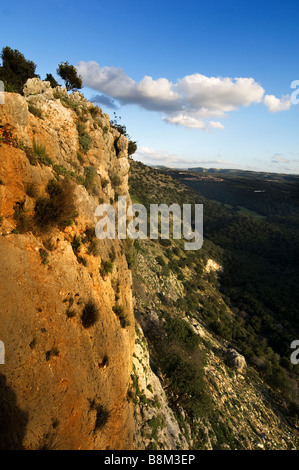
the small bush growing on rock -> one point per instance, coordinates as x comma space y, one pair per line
179, 330
105, 130
80, 157
176, 250
81, 128
120, 313
35, 111
85, 142
80, 180
58, 208
30, 155
160, 260
130, 253
115, 180
132, 147
76, 243
22, 219
89, 234
37, 154
90, 174
107, 267
94, 248
155, 423
44, 255
112, 255
90, 314
165, 242
32, 190
102, 417
104, 183
60, 170
82, 260
94, 111
41, 155
187, 381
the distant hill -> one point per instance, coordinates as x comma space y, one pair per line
246, 173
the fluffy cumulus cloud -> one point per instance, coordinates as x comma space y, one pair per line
193, 101
275, 104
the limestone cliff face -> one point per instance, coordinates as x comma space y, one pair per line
65, 379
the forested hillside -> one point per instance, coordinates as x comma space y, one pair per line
258, 281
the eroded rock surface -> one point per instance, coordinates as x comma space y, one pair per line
65, 384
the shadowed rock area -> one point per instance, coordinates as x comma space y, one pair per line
13, 421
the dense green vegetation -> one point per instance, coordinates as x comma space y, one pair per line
271, 196
259, 281
132, 146
69, 74
15, 70
58, 207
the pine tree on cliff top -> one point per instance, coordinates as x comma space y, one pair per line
15, 70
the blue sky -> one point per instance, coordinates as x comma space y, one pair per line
197, 83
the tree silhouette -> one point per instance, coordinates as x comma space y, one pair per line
15, 70
51, 79
13, 420
69, 74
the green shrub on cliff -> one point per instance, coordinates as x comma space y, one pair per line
179, 330
90, 314
69, 74
90, 174
84, 142
58, 208
15, 70
41, 155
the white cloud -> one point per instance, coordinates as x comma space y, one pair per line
159, 157
216, 125
156, 95
279, 159
220, 94
275, 104
189, 102
186, 121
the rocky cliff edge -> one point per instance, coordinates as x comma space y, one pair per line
66, 316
